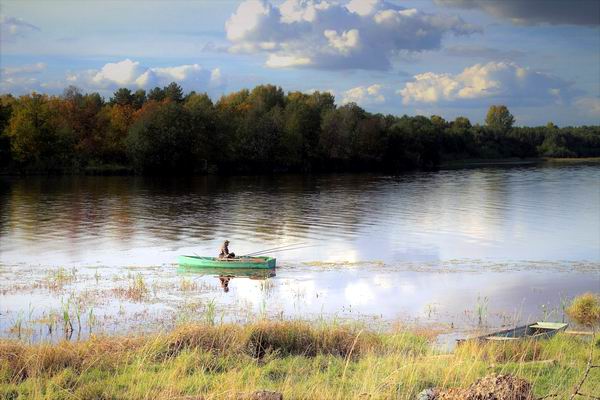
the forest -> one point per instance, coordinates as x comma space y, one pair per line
263, 130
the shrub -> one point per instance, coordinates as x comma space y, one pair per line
585, 310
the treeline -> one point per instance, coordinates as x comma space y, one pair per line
258, 130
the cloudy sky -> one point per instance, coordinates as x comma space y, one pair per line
541, 58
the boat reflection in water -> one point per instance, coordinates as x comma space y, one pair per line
225, 275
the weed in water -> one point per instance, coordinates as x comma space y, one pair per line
210, 312
187, 285
481, 310
137, 289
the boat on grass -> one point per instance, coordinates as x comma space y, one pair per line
539, 330
227, 263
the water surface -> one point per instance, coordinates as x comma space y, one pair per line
430, 246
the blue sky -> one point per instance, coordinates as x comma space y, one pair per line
445, 57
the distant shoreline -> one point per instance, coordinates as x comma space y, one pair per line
123, 170
478, 162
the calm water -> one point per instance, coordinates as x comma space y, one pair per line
430, 246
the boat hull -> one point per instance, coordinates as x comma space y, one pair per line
227, 263
539, 330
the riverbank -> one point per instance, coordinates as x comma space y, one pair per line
121, 169
299, 360
499, 162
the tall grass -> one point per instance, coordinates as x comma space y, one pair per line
300, 360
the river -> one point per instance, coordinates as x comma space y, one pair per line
453, 248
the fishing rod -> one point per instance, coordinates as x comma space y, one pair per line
286, 249
272, 249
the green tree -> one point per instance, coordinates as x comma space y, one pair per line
499, 119
461, 123
139, 98
264, 97
122, 97
156, 94
204, 124
556, 144
163, 140
173, 92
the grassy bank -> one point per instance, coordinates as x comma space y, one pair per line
299, 360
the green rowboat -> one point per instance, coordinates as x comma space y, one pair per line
227, 263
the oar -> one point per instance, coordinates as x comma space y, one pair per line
272, 249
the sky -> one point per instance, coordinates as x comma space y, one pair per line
541, 58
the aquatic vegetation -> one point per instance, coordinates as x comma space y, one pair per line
58, 278
187, 285
481, 310
266, 286
136, 290
297, 359
210, 312
341, 263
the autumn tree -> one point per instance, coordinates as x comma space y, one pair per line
6, 109
37, 135
499, 119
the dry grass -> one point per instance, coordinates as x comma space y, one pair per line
300, 360
585, 309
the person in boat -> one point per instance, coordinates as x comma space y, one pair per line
224, 251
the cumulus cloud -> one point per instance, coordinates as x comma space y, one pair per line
503, 81
363, 34
364, 95
128, 73
11, 28
580, 12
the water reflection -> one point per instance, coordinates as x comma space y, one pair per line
518, 213
226, 275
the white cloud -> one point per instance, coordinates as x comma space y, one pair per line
277, 61
11, 28
19, 84
128, 73
333, 35
364, 95
23, 69
18, 79
124, 72
498, 80
344, 43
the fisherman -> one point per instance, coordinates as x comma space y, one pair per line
224, 251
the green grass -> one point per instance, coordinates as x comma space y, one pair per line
300, 360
